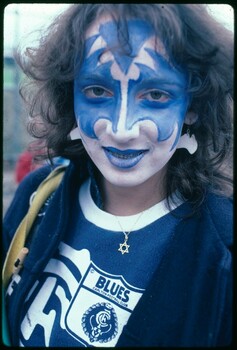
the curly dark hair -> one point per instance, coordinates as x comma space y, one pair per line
197, 42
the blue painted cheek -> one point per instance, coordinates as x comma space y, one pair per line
87, 115
89, 110
164, 119
164, 115
86, 112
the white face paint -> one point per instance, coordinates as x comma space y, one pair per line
129, 108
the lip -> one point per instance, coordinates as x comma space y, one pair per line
124, 159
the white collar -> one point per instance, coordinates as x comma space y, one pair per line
110, 222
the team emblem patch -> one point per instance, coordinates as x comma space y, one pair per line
99, 323
100, 308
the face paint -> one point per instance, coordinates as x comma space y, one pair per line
130, 108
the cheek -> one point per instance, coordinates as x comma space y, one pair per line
159, 122
164, 117
85, 121
165, 148
84, 113
91, 145
149, 129
87, 115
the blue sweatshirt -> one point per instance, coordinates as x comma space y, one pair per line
187, 300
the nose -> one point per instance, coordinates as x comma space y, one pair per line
122, 134
122, 131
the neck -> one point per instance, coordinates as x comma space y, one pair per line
125, 201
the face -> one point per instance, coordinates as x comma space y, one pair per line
129, 107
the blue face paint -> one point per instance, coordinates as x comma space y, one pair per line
143, 101
165, 114
90, 109
139, 32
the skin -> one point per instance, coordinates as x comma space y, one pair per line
130, 109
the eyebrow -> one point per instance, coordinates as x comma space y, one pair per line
96, 79
88, 77
165, 76
160, 82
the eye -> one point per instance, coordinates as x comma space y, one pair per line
97, 91
155, 95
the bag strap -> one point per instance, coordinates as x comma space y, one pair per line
45, 189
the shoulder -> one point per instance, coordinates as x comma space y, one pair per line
219, 210
31, 182
20, 203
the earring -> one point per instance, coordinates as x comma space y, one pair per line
75, 134
188, 142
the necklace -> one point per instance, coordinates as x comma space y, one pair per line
123, 247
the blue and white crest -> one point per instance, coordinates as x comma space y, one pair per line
99, 323
101, 306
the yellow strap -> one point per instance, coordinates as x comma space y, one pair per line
44, 190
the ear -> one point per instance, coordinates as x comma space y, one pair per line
191, 118
188, 141
75, 134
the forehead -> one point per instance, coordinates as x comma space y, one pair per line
104, 33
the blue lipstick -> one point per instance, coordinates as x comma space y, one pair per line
124, 159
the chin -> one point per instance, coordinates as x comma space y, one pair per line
127, 179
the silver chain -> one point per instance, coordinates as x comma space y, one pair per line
123, 247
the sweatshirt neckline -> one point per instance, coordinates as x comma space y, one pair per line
108, 221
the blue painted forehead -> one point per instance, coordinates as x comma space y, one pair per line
138, 31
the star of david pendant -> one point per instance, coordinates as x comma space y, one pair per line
123, 247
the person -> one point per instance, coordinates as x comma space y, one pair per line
134, 248
24, 165
26, 161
